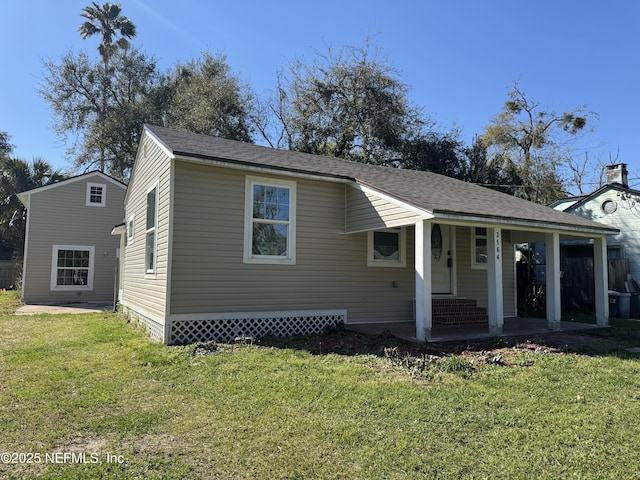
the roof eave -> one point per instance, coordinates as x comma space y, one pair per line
523, 224
70, 180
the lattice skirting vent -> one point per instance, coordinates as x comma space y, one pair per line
226, 328
154, 329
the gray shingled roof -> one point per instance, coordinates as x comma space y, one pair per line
443, 196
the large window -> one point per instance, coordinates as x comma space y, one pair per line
479, 248
387, 248
270, 221
151, 230
72, 267
96, 194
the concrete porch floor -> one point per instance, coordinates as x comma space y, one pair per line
512, 327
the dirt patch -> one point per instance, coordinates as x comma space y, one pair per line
351, 343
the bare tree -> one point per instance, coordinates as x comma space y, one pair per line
533, 139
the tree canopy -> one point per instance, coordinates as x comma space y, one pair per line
100, 106
532, 139
16, 176
204, 96
5, 145
349, 105
108, 22
102, 131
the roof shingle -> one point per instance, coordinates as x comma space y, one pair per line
438, 194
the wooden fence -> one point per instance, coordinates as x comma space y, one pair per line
618, 271
10, 272
577, 283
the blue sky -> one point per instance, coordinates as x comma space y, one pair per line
459, 57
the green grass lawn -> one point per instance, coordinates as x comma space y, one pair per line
94, 385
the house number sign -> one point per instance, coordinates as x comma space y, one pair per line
497, 245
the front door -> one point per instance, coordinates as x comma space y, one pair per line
441, 259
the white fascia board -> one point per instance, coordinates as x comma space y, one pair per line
68, 181
531, 226
162, 146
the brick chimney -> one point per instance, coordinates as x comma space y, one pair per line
617, 174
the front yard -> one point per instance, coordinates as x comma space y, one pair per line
89, 396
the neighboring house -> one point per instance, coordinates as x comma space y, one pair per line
616, 205
228, 239
69, 253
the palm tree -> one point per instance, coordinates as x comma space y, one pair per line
107, 21
16, 176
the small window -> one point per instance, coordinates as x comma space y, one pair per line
270, 221
387, 248
96, 194
479, 248
72, 267
131, 230
150, 233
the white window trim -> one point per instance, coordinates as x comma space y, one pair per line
376, 262
474, 264
103, 197
54, 268
151, 272
131, 222
248, 256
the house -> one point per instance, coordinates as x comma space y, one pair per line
616, 205
227, 239
69, 253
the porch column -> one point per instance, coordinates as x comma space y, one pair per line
495, 304
601, 280
423, 279
552, 247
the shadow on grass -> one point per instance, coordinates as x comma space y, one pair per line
613, 341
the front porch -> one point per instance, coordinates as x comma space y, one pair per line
512, 327
489, 276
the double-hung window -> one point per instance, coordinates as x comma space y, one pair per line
72, 267
270, 221
151, 230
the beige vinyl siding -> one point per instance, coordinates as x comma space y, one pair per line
60, 216
367, 211
330, 272
472, 283
146, 293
